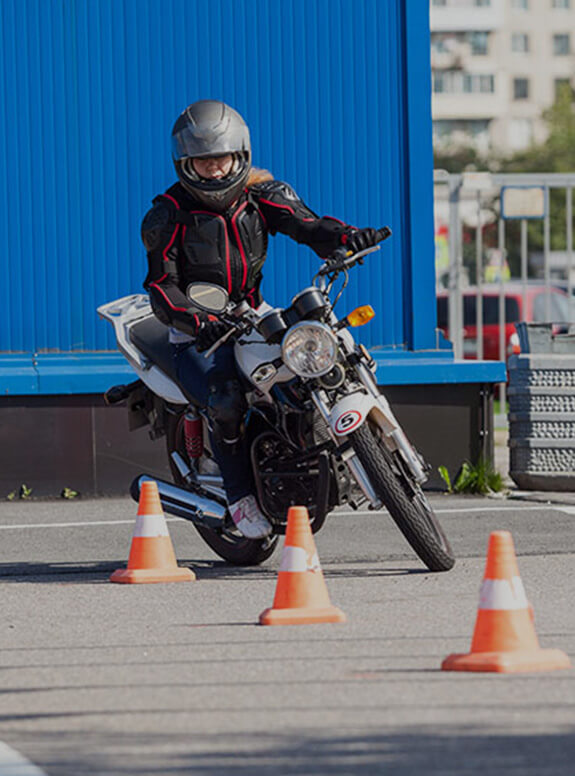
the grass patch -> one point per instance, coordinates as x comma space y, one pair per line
497, 408
479, 479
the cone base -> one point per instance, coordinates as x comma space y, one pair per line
508, 662
150, 576
301, 616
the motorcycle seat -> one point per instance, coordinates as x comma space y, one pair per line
151, 337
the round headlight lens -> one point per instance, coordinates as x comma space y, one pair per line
309, 349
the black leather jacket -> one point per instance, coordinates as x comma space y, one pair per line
187, 243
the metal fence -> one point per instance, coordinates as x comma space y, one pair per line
470, 207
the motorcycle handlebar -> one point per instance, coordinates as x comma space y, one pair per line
224, 338
237, 328
342, 258
339, 260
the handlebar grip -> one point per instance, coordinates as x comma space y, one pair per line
383, 233
340, 254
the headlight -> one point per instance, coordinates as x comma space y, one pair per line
309, 349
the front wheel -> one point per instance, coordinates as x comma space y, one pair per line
405, 501
229, 544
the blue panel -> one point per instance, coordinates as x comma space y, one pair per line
53, 374
419, 304
418, 370
18, 376
337, 96
81, 373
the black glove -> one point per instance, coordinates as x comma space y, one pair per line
208, 331
360, 239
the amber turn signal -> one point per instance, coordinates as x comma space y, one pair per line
361, 315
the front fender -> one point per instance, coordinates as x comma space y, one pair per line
350, 412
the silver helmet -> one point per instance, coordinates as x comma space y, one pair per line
205, 129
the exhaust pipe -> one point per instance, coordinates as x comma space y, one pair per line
198, 508
211, 485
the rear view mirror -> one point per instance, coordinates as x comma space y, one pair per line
208, 297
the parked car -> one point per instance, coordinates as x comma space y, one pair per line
562, 313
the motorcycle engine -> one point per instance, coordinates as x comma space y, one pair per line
286, 476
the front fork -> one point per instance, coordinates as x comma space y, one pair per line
349, 414
391, 427
347, 454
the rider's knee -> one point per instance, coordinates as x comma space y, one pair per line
226, 408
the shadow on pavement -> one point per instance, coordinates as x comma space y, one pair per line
458, 751
99, 571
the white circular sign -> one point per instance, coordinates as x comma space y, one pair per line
347, 422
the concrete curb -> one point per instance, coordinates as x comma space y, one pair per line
543, 497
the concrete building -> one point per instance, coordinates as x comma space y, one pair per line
496, 65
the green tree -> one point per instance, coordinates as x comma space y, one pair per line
555, 154
458, 159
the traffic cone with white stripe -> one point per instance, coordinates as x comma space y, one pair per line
301, 594
152, 557
504, 640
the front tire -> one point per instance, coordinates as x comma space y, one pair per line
406, 503
229, 544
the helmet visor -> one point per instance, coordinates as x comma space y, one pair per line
186, 143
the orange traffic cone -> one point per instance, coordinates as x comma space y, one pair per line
504, 639
152, 557
301, 594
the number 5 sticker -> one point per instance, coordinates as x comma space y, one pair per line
347, 422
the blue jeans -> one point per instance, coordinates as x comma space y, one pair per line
200, 377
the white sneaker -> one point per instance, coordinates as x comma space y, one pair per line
249, 519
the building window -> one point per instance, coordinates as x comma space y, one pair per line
456, 82
520, 88
460, 43
477, 84
487, 83
462, 3
520, 5
439, 43
520, 43
561, 45
478, 43
473, 127
439, 82
462, 132
561, 4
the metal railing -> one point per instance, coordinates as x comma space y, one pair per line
473, 196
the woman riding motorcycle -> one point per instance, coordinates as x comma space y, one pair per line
212, 225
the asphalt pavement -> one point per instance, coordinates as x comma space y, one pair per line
106, 680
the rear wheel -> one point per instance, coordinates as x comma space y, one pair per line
405, 500
229, 544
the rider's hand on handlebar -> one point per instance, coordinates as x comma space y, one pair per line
208, 332
360, 239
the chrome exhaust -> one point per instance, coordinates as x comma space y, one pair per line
198, 508
210, 483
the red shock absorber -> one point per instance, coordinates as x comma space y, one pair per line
193, 434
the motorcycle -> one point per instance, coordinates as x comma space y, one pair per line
319, 431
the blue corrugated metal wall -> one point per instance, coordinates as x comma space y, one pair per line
336, 93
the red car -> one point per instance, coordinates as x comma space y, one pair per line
535, 311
